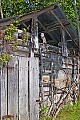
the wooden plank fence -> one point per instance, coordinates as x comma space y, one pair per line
20, 88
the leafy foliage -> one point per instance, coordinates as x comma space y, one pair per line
47, 118
43, 110
13, 7
70, 112
10, 41
43, 113
66, 5
8, 32
4, 57
16, 7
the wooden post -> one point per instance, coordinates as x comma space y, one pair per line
79, 77
64, 44
34, 88
23, 88
7, 90
34, 74
73, 80
13, 87
0, 87
3, 91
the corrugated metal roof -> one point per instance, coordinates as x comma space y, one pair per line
53, 27
51, 19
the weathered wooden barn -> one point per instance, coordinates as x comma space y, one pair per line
44, 70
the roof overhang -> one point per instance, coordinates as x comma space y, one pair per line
51, 19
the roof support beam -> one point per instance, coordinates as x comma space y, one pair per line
61, 23
56, 24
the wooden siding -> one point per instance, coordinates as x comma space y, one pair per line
20, 88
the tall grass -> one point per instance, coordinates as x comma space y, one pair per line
68, 112
47, 118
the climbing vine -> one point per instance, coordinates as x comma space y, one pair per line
10, 41
4, 57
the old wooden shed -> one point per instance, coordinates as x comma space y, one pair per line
45, 69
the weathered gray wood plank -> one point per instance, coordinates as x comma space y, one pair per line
13, 87
23, 88
3, 92
34, 87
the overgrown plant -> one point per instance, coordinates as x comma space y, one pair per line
10, 41
4, 57
43, 110
70, 112
47, 118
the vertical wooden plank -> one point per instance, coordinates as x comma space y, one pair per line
0, 92
23, 88
36, 33
34, 73
78, 72
34, 88
13, 87
26, 88
15, 91
3, 92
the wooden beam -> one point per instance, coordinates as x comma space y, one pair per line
57, 24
